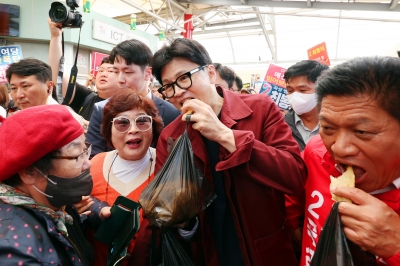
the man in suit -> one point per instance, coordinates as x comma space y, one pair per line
244, 148
132, 61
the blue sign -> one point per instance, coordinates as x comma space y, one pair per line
277, 94
8, 55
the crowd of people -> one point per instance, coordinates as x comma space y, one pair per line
64, 165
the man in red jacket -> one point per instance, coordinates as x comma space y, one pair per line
244, 148
360, 126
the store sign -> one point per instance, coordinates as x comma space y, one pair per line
111, 34
8, 55
319, 53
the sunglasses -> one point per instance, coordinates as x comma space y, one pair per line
122, 124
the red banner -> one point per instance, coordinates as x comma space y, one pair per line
275, 75
319, 53
96, 61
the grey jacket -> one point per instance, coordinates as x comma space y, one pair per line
289, 119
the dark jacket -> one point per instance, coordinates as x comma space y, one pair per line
289, 119
265, 166
166, 110
30, 236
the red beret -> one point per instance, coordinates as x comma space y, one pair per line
32, 133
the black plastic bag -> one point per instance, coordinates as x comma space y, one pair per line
178, 192
172, 252
334, 249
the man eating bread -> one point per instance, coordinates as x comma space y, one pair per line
359, 128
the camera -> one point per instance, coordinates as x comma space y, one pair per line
69, 18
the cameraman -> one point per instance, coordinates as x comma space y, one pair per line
83, 99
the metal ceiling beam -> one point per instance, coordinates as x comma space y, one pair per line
236, 22
177, 5
162, 12
338, 35
142, 21
256, 27
233, 51
223, 35
157, 26
293, 11
313, 15
264, 30
301, 4
170, 10
194, 12
205, 22
393, 4
272, 22
142, 16
199, 15
153, 15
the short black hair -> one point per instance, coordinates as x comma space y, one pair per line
378, 77
310, 68
225, 73
106, 60
133, 52
239, 82
183, 48
28, 67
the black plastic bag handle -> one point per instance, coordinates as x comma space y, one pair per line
188, 120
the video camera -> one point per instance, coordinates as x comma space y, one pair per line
69, 18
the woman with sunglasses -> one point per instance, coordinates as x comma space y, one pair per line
44, 170
131, 124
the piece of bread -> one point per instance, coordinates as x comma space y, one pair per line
347, 179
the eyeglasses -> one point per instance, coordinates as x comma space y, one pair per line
184, 82
122, 124
81, 158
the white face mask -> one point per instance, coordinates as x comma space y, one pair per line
302, 103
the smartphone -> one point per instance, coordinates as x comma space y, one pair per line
120, 211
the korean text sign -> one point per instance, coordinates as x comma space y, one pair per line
8, 55
275, 75
274, 85
319, 53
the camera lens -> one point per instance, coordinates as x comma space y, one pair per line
58, 12
69, 18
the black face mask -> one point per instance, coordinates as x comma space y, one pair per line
66, 191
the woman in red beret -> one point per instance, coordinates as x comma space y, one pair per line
44, 171
130, 125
